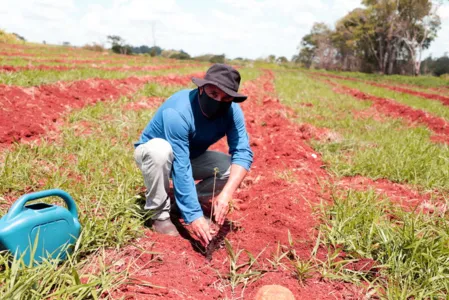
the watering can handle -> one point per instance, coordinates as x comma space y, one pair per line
18, 206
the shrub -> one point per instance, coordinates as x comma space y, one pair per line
94, 47
9, 38
218, 59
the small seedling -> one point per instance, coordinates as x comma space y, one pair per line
213, 194
302, 270
277, 258
244, 273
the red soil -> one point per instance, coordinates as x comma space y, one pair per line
402, 194
398, 88
26, 112
16, 54
391, 108
101, 59
40, 68
94, 66
145, 103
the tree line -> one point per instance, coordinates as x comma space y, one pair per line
386, 36
119, 45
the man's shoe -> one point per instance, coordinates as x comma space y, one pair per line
165, 227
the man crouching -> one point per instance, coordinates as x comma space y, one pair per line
175, 144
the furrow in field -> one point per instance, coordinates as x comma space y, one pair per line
49, 50
69, 59
94, 66
394, 109
26, 112
66, 60
398, 88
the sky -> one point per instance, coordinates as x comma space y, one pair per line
237, 28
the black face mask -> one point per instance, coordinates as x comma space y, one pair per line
212, 108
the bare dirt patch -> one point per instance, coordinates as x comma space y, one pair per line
28, 112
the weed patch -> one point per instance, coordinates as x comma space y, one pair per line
402, 255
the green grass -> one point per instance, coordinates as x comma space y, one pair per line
410, 249
98, 170
36, 77
247, 74
16, 61
434, 107
368, 147
423, 81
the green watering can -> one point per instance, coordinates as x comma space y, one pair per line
40, 231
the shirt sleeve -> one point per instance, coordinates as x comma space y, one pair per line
238, 141
177, 134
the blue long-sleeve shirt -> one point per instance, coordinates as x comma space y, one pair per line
180, 121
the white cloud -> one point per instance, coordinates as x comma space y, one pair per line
249, 28
305, 18
443, 12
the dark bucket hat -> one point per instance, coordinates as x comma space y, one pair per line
225, 77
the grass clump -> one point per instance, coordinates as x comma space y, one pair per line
242, 273
409, 248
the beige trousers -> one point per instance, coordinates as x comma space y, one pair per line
155, 159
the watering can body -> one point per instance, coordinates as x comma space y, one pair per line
40, 231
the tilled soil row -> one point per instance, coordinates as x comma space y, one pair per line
398, 88
394, 109
94, 66
27, 112
65, 59
37, 51
101, 59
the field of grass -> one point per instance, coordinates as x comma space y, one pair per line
434, 107
38, 77
361, 237
377, 149
421, 81
400, 254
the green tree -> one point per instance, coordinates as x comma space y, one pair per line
281, 60
352, 38
118, 45
383, 36
19, 37
218, 59
419, 27
316, 47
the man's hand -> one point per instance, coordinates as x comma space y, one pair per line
202, 230
221, 203
221, 207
